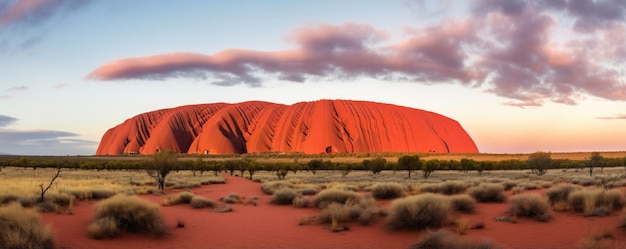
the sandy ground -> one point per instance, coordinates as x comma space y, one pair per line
271, 226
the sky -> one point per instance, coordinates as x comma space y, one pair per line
519, 76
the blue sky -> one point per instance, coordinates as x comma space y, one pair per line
519, 76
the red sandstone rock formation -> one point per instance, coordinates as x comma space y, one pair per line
323, 126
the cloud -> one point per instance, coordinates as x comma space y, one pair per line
17, 88
326, 51
23, 23
34, 12
44, 142
6, 120
618, 116
512, 48
59, 86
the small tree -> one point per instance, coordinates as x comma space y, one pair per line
243, 165
315, 165
377, 165
252, 168
345, 168
162, 163
44, 190
409, 163
429, 167
596, 160
467, 165
231, 166
539, 162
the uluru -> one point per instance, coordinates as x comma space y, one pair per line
323, 126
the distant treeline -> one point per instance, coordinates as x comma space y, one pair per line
246, 165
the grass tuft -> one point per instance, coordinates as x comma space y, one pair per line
20, 228
129, 214
462, 203
531, 206
444, 239
488, 192
425, 211
270, 187
328, 196
560, 193
200, 202
596, 202
284, 196
387, 190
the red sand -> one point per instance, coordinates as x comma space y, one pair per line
272, 226
310, 127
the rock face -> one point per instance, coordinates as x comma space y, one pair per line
324, 126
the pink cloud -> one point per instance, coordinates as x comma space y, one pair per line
618, 116
342, 51
35, 11
509, 47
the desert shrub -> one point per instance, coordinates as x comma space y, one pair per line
508, 185
213, 180
517, 190
61, 199
596, 202
328, 196
269, 187
223, 209
284, 196
20, 228
528, 185
560, 193
308, 191
488, 192
180, 198
453, 187
429, 188
200, 202
105, 227
531, 206
598, 240
362, 210
47, 206
232, 198
386, 190
420, 212
462, 203
102, 193
333, 213
27, 201
444, 239
130, 214
8, 198
446, 188
301, 202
